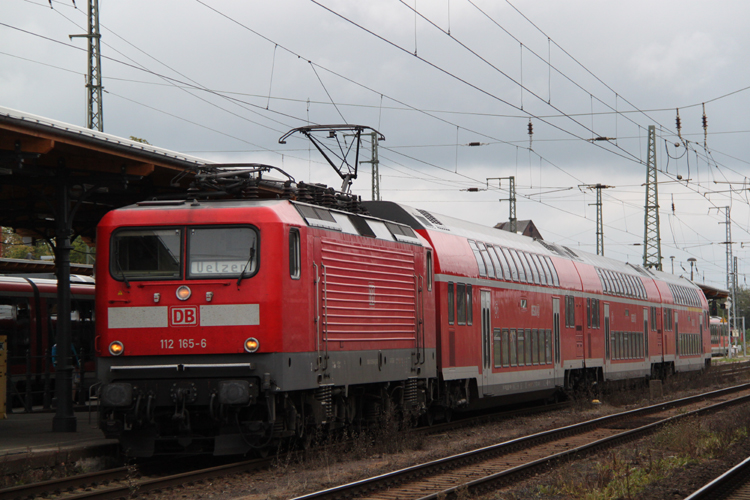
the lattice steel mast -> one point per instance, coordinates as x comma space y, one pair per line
95, 119
599, 220
651, 235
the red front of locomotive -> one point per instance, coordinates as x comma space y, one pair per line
197, 314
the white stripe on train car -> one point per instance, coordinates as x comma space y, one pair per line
230, 315
138, 317
157, 316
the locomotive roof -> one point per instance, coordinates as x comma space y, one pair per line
316, 216
419, 219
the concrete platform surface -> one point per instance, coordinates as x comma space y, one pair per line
28, 437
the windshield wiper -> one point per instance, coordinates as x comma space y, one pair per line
119, 268
249, 259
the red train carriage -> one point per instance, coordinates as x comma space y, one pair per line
227, 325
519, 317
720, 341
28, 318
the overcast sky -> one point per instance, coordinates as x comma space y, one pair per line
224, 80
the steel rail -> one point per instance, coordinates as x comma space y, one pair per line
727, 485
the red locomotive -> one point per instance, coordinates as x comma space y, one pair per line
227, 325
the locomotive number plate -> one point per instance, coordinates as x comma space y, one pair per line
183, 343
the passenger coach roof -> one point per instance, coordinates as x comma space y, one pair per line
422, 219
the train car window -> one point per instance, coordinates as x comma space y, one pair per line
461, 303
15, 324
520, 341
597, 323
429, 271
604, 279
511, 264
505, 349
478, 257
381, 232
526, 267
345, 223
519, 266
497, 347
570, 311
653, 318
499, 272
529, 346
469, 307
146, 254
451, 307
294, 253
588, 312
532, 266
222, 252
543, 278
535, 348
548, 346
512, 344
487, 261
551, 266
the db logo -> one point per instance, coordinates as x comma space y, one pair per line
183, 316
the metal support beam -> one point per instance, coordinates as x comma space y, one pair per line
95, 120
375, 167
512, 219
599, 220
651, 234
65, 419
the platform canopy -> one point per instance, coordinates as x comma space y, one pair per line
57, 181
101, 172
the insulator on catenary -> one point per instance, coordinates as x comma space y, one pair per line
705, 126
678, 122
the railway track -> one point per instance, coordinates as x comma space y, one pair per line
122, 482
732, 485
503, 464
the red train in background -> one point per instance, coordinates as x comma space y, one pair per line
720, 341
226, 326
28, 319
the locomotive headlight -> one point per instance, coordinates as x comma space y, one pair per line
252, 345
116, 348
183, 292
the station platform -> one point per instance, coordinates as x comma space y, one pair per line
27, 441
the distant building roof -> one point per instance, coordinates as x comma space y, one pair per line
524, 227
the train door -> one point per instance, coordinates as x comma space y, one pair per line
557, 357
607, 340
646, 354
677, 352
486, 302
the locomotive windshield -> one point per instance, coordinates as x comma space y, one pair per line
146, 254
222, 252
212, 252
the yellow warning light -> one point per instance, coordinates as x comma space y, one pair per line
183, 292
252, 345
116, 348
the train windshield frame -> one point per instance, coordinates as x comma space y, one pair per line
146, 253
222, 252
196, 252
